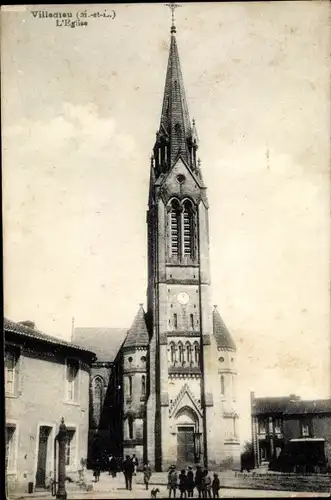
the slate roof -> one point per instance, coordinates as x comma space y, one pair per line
105, 342
270, 405
311, 406
288, 406
32, 333
223, 337
138, 334
175, 119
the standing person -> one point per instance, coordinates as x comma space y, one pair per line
128, 468
206, 485
216, 486
110, 458
147, 471
198, 480
113, 466
172, 481
190, 482
182, 483
135, 464
96, 471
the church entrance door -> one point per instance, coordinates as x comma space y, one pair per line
185, 445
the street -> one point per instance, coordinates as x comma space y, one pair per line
109, 487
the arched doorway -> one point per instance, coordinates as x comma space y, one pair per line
187, 429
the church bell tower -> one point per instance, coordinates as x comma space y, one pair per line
184, 400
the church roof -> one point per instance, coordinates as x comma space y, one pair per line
137, 336
175, 120
105, 342
223, 337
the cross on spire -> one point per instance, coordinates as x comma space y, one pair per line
173, 6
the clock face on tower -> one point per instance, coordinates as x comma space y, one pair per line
183, 298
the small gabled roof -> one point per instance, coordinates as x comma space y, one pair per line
137, 336
222, 334
24, 329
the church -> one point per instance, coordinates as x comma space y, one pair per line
165, 389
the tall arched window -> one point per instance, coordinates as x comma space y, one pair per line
130, 426
97, 388
222, 386
188, 353
233, 383
187, 229
130, 386
196, 353
174, 228
143, 385
172, 353
180, 352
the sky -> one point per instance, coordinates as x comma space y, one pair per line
80, 108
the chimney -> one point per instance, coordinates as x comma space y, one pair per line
28, 323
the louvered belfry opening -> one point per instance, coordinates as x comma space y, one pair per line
175, 228
187, 230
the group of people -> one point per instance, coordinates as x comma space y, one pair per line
187, 481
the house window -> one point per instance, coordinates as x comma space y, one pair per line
278, 425
71, 447
222, 386
72, 370
305, 429
262, 425
11, 360
10, 447
143, 385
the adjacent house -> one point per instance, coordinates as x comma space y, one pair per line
277, 420
46, 378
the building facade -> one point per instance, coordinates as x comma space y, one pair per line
276, 421
45, 379
178, 373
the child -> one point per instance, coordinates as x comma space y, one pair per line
206, 485
147, 474
96, 472
216, 486
172, 481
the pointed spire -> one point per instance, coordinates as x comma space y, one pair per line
222, 335
175, 126
173, 7
137, 336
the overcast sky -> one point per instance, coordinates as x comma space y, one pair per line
80, 108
